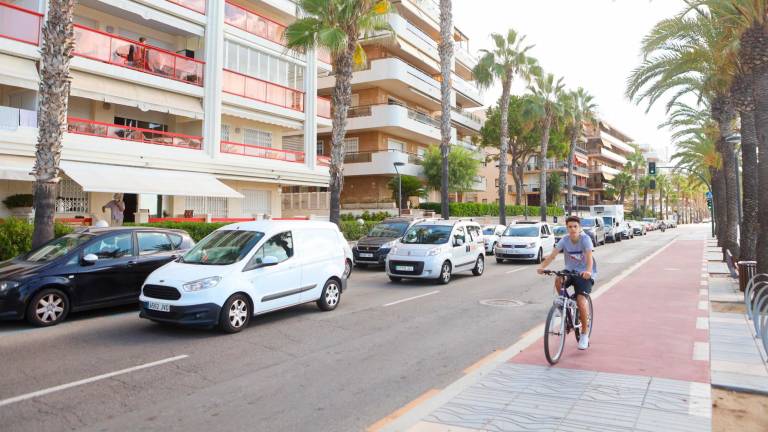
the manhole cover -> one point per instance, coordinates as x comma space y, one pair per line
502, 302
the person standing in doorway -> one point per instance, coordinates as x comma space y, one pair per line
116, 208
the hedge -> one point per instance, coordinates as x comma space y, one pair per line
196, 230
488, 209
16, 237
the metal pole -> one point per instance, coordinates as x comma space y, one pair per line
738, 188
399, 194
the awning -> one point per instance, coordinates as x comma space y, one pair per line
581, 158
259, 117
18, 72
16, 168
115, 178
124, 93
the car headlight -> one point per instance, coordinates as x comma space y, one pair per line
202, 284
530, 245
8, 285
434, 252
388, 245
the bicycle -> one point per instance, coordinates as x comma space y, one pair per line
558, 326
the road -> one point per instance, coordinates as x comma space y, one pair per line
294, 370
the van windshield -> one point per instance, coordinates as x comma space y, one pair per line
57, 247
489, 231
522, 231
428, 234
388, 229
222, 247
608, 220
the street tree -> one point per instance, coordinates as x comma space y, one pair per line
623, 182
579, 109
548, 94
462, 174
446, 51
410, 186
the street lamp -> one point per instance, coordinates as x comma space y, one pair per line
399, 187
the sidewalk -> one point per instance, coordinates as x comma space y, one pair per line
647, 369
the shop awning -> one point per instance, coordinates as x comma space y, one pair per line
18, 72
16, 168
124, 93
115, 178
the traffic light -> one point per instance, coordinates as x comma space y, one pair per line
651, 168
709, 203
653, 184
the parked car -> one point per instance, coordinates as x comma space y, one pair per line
627, 231
491, 234
373, 248
638, 228
613, 230
559, 231
437, 250
250, 268
653, 222
95, 268
526, 241
595, 229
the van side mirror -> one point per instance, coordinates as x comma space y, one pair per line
90, 259
458, 241
267, 261
617, 224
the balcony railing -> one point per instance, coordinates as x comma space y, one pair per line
20, 24
253, 23
367, 156
12, 118
262, 91
323, 107
366, 111
262, 152
323, 160
107, 48
469, 115
130, 133
195, 5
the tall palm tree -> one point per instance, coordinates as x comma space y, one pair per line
508, 59
338, 26
446, 61
644, 185
55, 55
622, 182
662, 186
548, 94
636, 165
579, 109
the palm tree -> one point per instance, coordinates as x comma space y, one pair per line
645, 185
548, 94
508, 59
446, 61
623, 182
55, 55
662, 185
636, 165
338, 26
579, 109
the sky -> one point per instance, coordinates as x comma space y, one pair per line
593, 44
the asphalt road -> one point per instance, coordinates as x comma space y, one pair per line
295, 370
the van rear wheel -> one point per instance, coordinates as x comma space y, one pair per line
330, 296
235, 314
479, 266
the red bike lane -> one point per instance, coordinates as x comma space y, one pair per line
646, 324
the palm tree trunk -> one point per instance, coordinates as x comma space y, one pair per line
55, 55
506, 85
342, 98
722, 112
571, 151
750, 222
645, 201
517, 175
543, 172
446, 58
761, 122
718, 200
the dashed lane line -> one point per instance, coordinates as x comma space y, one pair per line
411, 298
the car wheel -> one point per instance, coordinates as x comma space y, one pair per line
235, 314
539, 256
395, 279
479, 266
499, 260
493, 249
445, 273
331, 295
47, 308
348, 269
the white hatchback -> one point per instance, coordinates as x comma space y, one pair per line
249, 268
491, 234
525, 241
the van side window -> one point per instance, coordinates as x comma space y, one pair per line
543, 230
279, 246
474, 233
459, 234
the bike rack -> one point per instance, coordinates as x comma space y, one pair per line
748, 297
756, 302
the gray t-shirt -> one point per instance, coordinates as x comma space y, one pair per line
575, 253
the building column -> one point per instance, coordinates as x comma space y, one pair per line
214, 59
310, 110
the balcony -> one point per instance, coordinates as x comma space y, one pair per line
465, 57
411, 34
479, 184
195, 5
262, 152
467, 119
253, 23
607, 154
263, 91
19, 24
468, 94
323, 107
115, 50
381, 162
128, 133
403, 121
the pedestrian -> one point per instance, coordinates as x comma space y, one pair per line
116, 207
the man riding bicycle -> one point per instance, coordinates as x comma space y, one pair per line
577, 250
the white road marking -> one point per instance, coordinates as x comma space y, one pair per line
703, 292
701, 351
50, 390
702, 323
516, 270
703, 305
704, 283
411, 298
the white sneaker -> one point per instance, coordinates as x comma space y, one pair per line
583, 342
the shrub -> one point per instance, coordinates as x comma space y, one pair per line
16, 237
366, 216
354, 231
18, 200
196, 230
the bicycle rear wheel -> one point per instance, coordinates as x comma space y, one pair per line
554, 335
577, 330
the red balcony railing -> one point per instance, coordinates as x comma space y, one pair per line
107, 48
251, 22
323, 161
129, 133
263, 91
262, 152
20, 24
323, 107
195, 5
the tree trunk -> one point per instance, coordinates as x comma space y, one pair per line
517, 175
55, 55
645, 201
506, 85
718, 200
543, 172
761, 122
571, 151
342, 99
722, 112
750, 222
446, 59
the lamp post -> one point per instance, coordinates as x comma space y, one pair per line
399, 188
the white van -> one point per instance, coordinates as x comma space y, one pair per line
246, 269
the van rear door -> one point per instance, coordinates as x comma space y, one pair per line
322, 257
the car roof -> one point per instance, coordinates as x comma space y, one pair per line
530, 223
270, 225
104, 230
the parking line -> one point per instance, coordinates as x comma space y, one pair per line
411, 298
516, 270
50, 390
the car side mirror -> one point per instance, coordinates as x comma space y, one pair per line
90, 259
458, 241
269, 261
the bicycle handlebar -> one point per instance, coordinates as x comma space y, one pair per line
560, 273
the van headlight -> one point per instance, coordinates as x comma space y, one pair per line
435, 251
202, 284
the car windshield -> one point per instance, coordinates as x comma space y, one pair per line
388, 229
428, 234
489, 230
588, 222
560, 230
223, 247
649, 220
522, 231
57, 247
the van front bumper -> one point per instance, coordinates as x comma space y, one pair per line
423, 267
203, 315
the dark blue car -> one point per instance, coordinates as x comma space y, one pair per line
96, 268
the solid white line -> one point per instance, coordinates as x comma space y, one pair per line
702, 323
516, 270
411, 298
701, 351
87, 380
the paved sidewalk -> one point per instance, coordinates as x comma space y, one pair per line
647, 368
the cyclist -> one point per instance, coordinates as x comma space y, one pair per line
577, 250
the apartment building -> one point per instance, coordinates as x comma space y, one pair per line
579, 178
188, 107
396, 106
608, 150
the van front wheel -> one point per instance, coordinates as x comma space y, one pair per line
236, 314
330, 296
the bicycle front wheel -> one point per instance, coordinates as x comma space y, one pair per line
554, 335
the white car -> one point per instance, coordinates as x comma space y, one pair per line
249, 268
525, 241
437, 250
491, 234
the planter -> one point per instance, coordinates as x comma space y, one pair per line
22, 212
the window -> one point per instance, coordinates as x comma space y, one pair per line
355, 99
122, 121
112, 246
225, 130
279, 246
257, 201
543, 230
214, 206
151, 242
351, 145
474, 233
257, 64
459, 234
71, 197
176, 240
394, 145
257, 137
421, 152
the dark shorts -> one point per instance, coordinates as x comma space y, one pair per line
579, 284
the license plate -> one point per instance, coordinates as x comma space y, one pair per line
366, 255
404, 268
161, 307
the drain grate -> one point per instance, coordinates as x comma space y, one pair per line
502, 303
